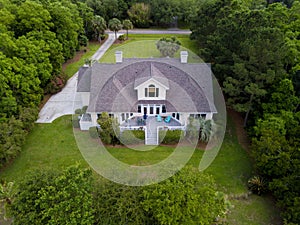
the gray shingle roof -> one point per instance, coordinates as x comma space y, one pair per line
112, 85
84, 79
154, 73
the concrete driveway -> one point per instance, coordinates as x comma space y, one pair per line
67, 100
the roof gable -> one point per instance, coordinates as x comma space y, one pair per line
151, 73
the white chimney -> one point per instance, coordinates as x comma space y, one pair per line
184, 56
119, 56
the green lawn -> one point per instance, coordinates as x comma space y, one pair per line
54, 146
143, 46
73, 67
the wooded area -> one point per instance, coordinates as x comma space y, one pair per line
255, 54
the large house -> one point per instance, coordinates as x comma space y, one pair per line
136, 91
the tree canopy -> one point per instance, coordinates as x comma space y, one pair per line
254, 51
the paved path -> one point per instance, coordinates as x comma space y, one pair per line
147, 31
67, 100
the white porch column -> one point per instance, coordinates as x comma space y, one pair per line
209, 116
94, 118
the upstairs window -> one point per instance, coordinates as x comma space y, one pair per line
151, 91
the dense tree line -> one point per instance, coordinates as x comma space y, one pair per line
36, 38
254, 50
146, 13
74, 196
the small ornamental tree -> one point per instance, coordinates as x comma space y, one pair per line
127, 25
109, 129
115, 25
168, 46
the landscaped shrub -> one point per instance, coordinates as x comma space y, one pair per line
56, 84
93, 132
170, 136
257, 185
75, 120
121, 38
78, 111
129, 137
84, 108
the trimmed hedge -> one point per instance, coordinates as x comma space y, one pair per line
93, 132
170, 136
75, 120
129, 137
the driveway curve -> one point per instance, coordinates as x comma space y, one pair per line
64, 102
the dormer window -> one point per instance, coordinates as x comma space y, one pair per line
151, 91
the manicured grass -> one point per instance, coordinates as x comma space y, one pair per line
143, 46
73, 67
48, 146
141, 158
254, 210
53, 146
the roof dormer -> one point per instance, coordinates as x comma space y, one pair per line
151, 85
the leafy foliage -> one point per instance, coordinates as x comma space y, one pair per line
50, 197
189, 197
193, 201
257, 185
170, 136
99, 26
115, 25
139, 14
200, 129
36, 39
109, 129
127, 25
168, 46
254, 51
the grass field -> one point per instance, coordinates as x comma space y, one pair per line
53, 146
73, 65
143, 46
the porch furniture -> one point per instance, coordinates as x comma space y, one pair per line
158, 118
168, 119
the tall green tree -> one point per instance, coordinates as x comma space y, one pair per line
32, 16
139, 14
49, 197
12, 136
67, 26
99, 26
127, 25
183, 199
115, 25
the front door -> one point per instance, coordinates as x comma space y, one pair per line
151, 110
157, 110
